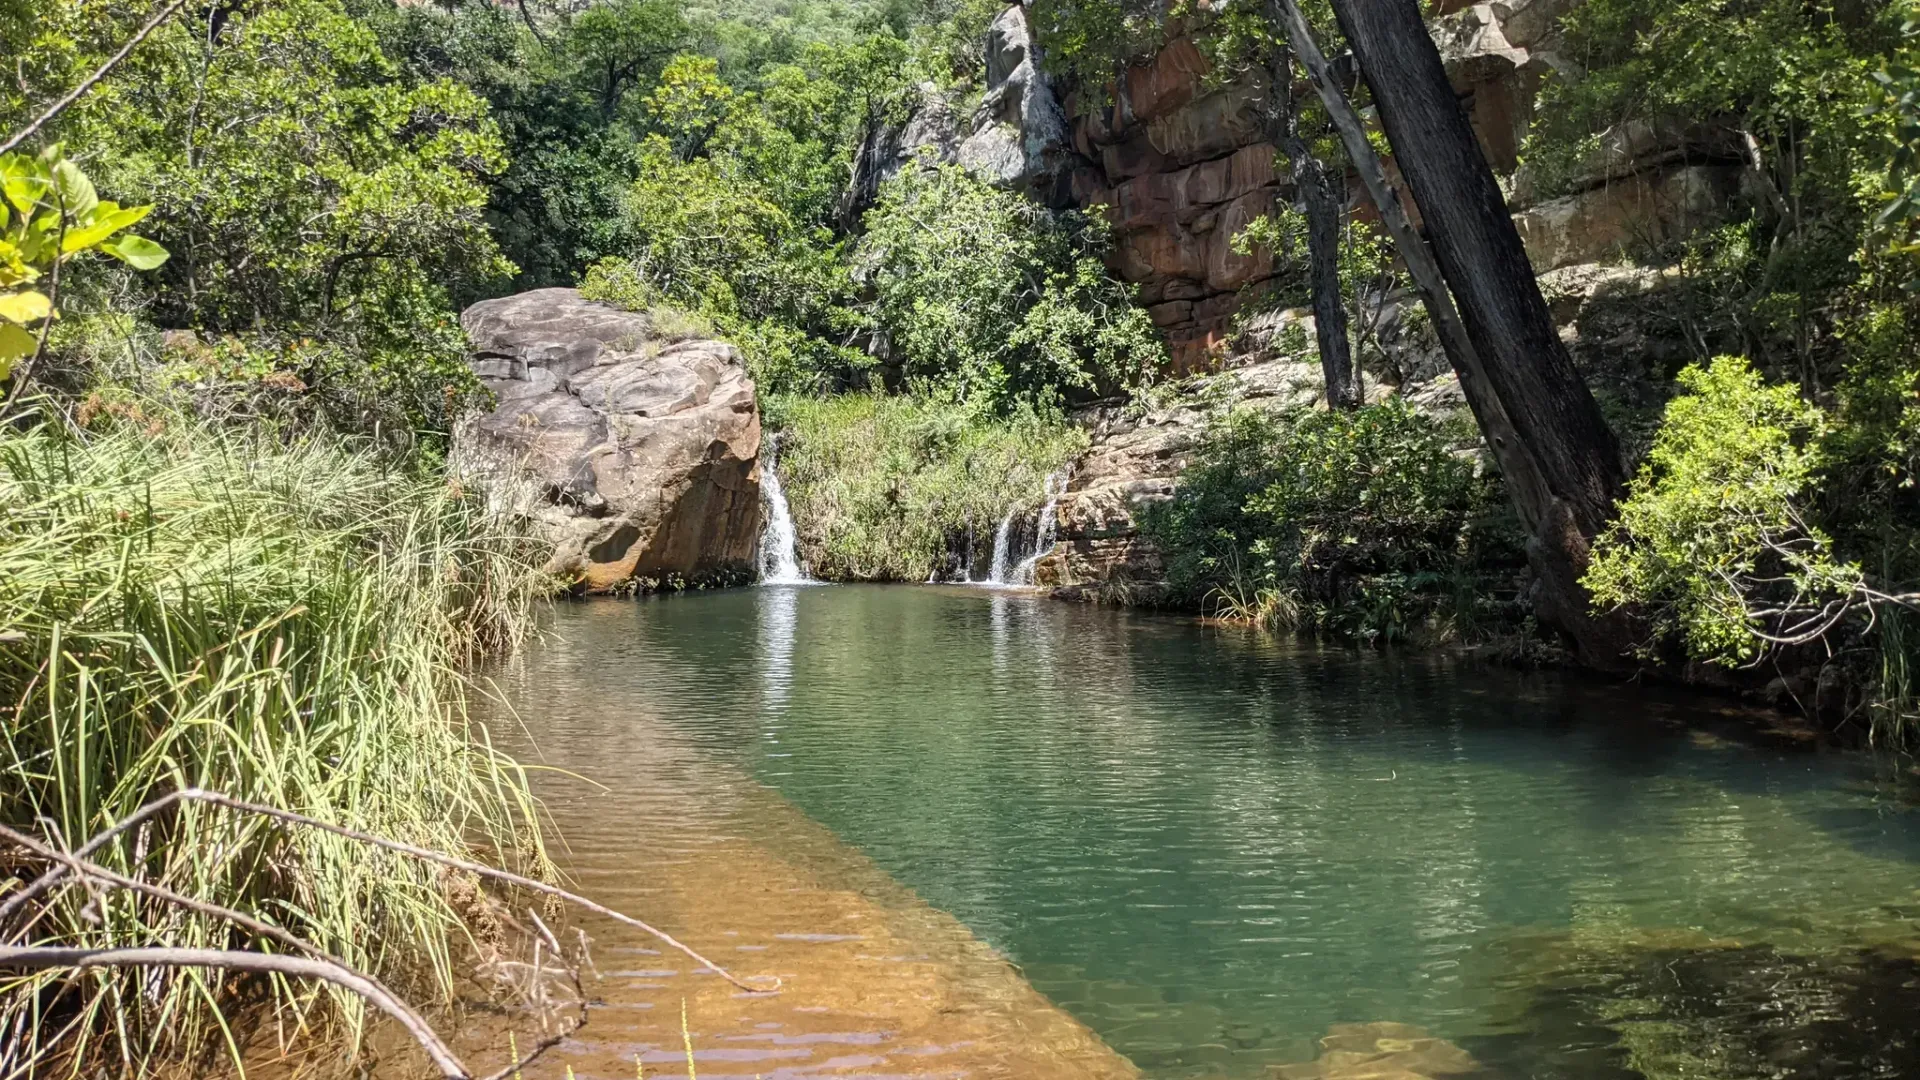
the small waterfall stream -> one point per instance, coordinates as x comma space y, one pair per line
1047, 531
999, 571
1002, 540
779, 549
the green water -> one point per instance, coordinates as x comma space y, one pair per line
1212, 846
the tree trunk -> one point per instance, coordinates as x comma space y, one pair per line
1313, 186
1313, 182
1559, 457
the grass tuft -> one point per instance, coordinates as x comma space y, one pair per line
882, 488
285, 622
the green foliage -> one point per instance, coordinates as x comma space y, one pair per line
732, 212
50, 213
1714, 529
306, 189
882, 487
1092, 41
1899, 219
1785, 85
987, 297
1355, 523
183, 604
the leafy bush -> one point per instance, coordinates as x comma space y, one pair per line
306, 189
183, 604
49, 214
988, 297
1714, 536
1362, 524
881, 487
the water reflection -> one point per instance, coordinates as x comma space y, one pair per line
777, 609
1216, 849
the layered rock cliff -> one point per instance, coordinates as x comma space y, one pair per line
1179, 159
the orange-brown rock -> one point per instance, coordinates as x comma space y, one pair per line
635, 452
1626, 215
1182, 164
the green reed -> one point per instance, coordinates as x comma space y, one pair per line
284, 621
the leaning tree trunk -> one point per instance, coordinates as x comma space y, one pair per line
1568, 467
1313, 185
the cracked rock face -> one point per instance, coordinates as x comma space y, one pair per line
635, 452
1020, 138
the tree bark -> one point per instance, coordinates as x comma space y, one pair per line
1313, 186
1540, 420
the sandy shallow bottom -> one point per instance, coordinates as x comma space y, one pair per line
874, 982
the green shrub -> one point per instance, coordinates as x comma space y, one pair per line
307, 189
1364, 524
185, 605
880, 486
988, 297
1714, 529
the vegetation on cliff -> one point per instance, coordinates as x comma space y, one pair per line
1367, 525
1775, 522
227, 557
886, 488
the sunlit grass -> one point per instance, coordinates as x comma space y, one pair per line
281, 621
881, 487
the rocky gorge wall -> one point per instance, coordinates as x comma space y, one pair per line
1179, 159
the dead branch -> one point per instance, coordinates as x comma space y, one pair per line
53, 875
42, 957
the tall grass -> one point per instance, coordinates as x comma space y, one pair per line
182, 604
880, 486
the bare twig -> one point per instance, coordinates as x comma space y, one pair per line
478, 869
92, 80
42, 957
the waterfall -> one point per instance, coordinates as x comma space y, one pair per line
779, 553
1046, 533
1021, 573
1002, 540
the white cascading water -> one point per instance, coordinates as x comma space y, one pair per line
1003, 571
779, 550
1002, 540
1046, 533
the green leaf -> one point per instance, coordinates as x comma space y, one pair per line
75, 191
23, 181
15, 342
136, 251
107, 219
24, 307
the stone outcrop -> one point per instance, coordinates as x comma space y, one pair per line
1019, 137
635, 451
1624, 326
931, 132
1634, 213
1181, 168
1136, 459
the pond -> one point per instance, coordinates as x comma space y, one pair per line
983, 833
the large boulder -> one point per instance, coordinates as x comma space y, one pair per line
634, 448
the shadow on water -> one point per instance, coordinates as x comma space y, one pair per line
1732, 1012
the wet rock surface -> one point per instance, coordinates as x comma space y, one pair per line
634, 451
